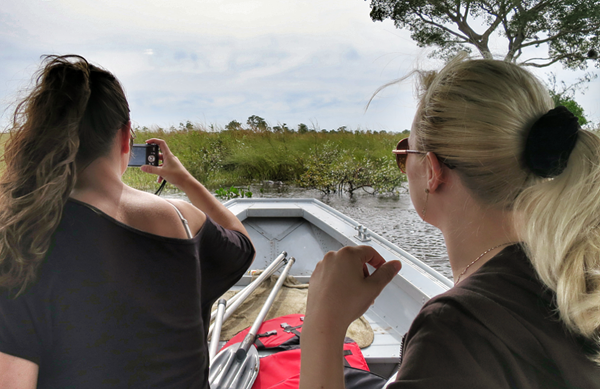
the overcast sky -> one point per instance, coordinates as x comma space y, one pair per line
213, 61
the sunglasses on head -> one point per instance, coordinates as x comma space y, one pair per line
402, 152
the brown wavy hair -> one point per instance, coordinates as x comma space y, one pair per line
69, 119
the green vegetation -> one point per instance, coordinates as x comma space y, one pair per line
232, 193
568, 29
333, 169
563, 94
330, 161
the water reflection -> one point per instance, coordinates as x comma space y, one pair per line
392, 217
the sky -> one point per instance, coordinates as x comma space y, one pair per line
213, 61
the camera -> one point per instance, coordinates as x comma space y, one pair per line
144, 154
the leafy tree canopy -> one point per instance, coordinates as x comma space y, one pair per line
574, 107
257, 123
568, 28
233, 125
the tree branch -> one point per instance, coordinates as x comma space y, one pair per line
467, 7
493, 26
559, 35
442, 27
474, 38
537, 65
511, 48
539, 6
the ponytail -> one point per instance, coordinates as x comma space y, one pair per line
560, 225
69, 119
488, 118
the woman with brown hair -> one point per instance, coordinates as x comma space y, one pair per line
103, 285
514, 185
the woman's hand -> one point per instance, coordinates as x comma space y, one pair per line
341, 289
171, 169
175, 173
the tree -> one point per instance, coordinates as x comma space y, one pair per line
302, 128
233, 125
257, 123
281, 128
569, 28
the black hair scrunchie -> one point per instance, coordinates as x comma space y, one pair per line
550, 142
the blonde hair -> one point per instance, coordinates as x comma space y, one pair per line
69, 119
475, 115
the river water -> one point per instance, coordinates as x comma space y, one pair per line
392, 217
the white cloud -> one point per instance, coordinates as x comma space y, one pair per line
218, 60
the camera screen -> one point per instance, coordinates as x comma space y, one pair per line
143, 155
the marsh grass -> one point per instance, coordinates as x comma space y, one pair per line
328, 161
242, 157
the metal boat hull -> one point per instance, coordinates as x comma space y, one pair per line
307, 229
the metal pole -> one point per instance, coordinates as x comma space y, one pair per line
249, 339
243, 294
272, 268
234, 365
214, 342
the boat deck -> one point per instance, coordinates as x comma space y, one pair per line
307, 229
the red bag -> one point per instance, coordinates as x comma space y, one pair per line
281, 370
281, 333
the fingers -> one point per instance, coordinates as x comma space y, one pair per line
161, 144
365, 254
151, 169
384, 274
384, 271
342, 277
171, 169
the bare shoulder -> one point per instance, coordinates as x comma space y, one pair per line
156, 215
193, 215
17, 373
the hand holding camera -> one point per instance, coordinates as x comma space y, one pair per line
171, 169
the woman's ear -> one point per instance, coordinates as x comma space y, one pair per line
125, 137
435, 173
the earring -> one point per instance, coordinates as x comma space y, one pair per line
424, 211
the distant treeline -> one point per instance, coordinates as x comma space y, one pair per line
238, 155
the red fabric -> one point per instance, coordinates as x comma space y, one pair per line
290, 383
355, 359
269, 325
277, 368
281, 370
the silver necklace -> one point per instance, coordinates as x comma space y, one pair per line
478, 258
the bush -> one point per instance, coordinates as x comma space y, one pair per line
333, 170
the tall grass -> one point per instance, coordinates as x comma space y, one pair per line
328, 161
242, 157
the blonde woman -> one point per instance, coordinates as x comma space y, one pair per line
514, 186
102, 285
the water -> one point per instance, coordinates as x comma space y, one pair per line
392, 217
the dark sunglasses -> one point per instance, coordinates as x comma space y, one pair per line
402, 152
